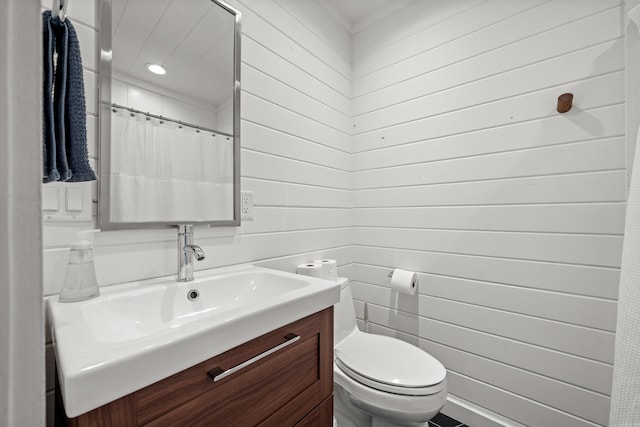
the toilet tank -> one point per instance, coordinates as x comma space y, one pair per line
344, 314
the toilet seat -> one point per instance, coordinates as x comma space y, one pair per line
365, 358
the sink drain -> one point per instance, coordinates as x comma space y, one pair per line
193, 294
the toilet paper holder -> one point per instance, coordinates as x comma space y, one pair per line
403, 281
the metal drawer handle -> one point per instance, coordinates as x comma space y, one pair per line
216, 374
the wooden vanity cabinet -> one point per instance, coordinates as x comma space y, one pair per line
291, 386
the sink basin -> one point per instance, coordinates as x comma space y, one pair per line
156, 310
138, 333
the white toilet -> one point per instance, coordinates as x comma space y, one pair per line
379, 380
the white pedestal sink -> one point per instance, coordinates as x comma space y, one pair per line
137, 333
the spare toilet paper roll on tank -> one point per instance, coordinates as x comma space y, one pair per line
313, 269
329, 269
404, 282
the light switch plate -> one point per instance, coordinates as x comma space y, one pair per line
67, 201
50, 199
74, 199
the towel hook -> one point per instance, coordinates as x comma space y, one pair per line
59, 9
565, 101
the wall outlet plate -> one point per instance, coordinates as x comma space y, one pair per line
246, 205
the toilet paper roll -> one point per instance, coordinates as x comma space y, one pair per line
313, 269
329, 269
403, 281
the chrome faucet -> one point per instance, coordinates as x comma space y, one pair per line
187, 251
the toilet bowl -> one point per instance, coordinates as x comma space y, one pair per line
380, 381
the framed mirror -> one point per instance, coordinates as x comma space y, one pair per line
169, 146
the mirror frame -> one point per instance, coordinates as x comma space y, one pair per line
104, 124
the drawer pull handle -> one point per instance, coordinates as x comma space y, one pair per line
216, 374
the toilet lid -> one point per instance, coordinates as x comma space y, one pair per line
388, 364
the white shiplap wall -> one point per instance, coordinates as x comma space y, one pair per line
511, 213
430, 140
295, 158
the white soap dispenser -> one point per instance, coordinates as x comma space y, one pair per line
80, 282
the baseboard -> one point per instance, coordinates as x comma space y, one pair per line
474, 415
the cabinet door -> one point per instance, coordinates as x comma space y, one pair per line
121, 413
321, 416
279, 389
248, 395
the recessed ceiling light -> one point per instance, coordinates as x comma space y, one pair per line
156, 69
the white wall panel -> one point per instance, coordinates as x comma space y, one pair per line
551, 130
566, 159
586, 311
598, 155
556, 394
273, 141
580, 341
598, 250
269, 166
573, 36
272, 11
594, 92
295, 159
138, 260
494, 34
287, 43
271, 219
584, 280
459, 168
581, 372
573, 309
512, 406
511, 213
274, 193
289, 262
276, 142
575, 218
464, 21
316, 19
598, 60
260, 84
412, 19
607, 186
259, 56
268, 114
560, 41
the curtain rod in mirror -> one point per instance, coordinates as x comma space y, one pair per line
179, 122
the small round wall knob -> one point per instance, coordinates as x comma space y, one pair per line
564, 102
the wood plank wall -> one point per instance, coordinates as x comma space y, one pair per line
511, 213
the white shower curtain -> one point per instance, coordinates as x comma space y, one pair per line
625, 395
161, 172
625, 392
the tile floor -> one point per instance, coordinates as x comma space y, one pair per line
441, 420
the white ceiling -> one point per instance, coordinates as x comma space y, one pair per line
188, 37
358, 14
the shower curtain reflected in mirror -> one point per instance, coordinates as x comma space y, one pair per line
162, 171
